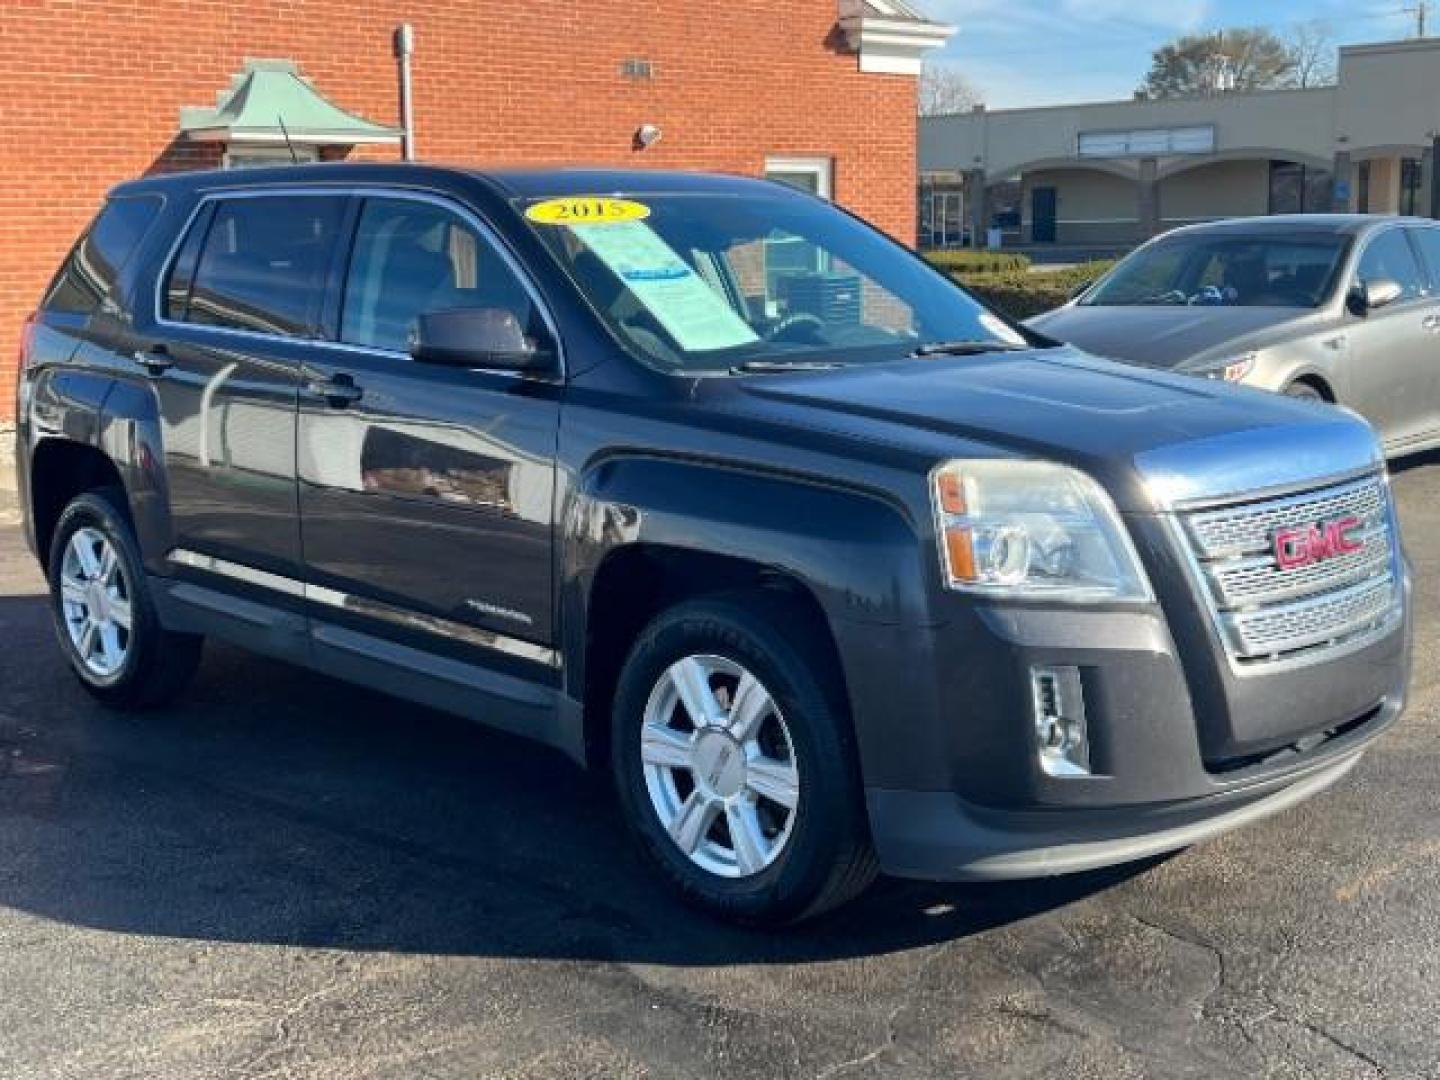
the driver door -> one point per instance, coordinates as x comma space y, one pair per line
426, 491
1391, 359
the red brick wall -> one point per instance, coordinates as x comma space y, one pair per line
92, 91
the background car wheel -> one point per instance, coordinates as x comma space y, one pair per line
103, 612
735, 764
1304, 391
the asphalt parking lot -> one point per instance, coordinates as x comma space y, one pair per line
286, 876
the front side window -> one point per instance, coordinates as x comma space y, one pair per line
717, 280
91, 271
262, 265
1389, 257
1428, 241
1225, 270
411, 258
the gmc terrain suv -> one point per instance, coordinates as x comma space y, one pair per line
704, 481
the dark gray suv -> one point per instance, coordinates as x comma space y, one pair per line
703, 481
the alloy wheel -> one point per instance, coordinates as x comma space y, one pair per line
720, 766
95, 602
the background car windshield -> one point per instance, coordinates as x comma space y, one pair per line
1225, 271
705, 282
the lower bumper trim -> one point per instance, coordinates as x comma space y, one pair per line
934, 836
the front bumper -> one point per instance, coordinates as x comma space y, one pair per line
936, 836
953, 784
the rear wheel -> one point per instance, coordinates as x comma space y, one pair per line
103, 612
735, 766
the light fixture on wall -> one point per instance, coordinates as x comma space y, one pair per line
647, 136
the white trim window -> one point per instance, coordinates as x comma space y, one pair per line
812, 174
261, 157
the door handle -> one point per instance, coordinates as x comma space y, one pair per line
338, 390
156, 360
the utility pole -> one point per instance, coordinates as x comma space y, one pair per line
1421, 11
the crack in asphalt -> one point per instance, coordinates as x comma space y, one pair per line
907, 1000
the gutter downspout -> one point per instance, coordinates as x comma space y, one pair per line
404, 41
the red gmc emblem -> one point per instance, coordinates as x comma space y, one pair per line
1295, 548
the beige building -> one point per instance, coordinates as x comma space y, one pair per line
1113, 173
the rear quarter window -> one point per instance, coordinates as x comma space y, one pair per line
93, 267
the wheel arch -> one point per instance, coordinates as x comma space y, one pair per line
643, 534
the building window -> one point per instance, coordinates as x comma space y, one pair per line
263, 157
1146, 142
1299, 189
1410, 180
808, 174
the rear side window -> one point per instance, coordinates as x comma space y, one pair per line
1389, 257
90, 273
261, 265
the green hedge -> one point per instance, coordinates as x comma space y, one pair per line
979, 262
1025, 294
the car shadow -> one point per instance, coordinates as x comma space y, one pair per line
274, 805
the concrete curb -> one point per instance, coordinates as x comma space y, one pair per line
7, 457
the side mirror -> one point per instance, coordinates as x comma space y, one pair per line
478, 338
1368, 296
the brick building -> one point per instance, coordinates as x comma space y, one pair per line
819, 92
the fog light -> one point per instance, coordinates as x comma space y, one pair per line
1060, 738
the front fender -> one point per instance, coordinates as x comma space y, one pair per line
860, 553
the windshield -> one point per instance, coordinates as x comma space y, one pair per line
716, 282
1225, 271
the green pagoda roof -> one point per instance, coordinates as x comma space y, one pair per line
268, 93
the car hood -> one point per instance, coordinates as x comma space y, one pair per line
1152, 438
1164, 337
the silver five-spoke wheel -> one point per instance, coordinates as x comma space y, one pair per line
95, 600
719, 765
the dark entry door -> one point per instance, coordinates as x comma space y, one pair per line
1042, 215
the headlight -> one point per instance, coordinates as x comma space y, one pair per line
1032, 529
1232, 369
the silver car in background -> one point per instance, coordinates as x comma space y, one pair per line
1344, 308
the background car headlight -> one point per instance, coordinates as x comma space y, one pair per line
1231, 369
1032, 529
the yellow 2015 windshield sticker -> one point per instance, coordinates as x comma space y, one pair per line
586, 210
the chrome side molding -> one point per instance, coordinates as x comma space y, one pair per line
396, 616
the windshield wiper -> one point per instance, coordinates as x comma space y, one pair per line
964, 348
769, 367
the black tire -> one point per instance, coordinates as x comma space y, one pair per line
827, 858
1304, 391
158, 663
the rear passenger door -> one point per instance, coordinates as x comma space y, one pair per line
1392, 366
426, 491
239, 302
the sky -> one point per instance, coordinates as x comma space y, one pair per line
1051, 52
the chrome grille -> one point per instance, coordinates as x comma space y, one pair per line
1268, 613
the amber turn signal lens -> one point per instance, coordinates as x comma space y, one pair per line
951, 489
960, 552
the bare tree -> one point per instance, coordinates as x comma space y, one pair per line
1248, 58
1312, 47
943, 89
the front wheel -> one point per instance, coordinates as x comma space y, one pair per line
103, 613
734, 763
1304, 391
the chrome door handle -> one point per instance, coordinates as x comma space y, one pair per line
338, 391
156, 360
